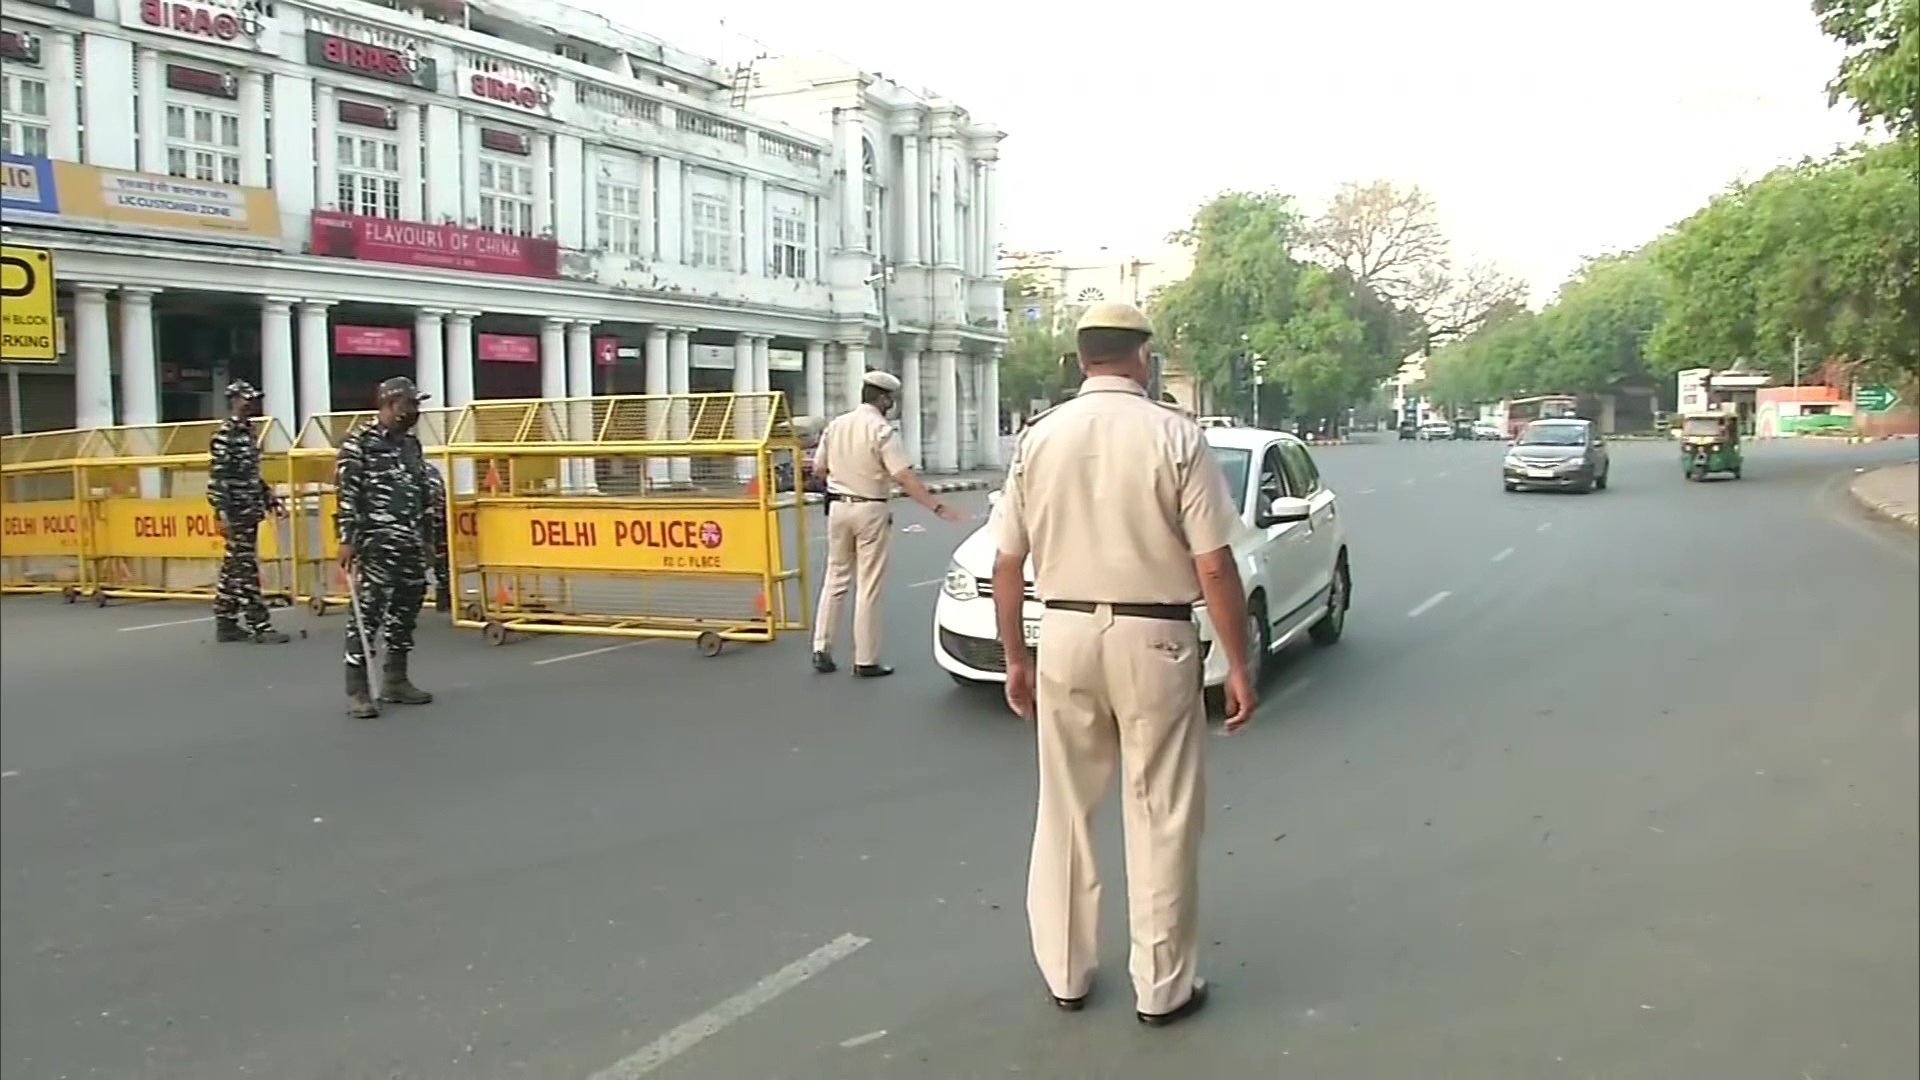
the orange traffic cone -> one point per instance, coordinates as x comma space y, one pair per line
492, 481
753, 486
502, 599
760, 604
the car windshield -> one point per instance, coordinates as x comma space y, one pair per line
1553, 435
1234, 465
1701, 425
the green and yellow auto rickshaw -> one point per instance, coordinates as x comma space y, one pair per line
1710, 444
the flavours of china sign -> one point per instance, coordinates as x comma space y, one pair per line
243, 24
521, 92
403, 65
446, 247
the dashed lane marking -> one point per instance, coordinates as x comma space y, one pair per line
924, 584
163, 625
1544, 526
1428, 604
731, 1011
9, 774
592, 652
1502, 556
1368, 491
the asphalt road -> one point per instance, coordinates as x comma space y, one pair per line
1633, 797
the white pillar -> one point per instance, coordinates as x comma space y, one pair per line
93, 361
542, 184
316, 361
742, 411
945, 206
853, 185
153, 112
580, 389
910, 426
326, 152
990, 228
909, 188
946, 451
408, 135
253, 129
990, 409
656, 357
855, 371
763, 365
139, 368
63, 124
816, 374
679, 375
469, 170
459, 357
429, 355
276, 362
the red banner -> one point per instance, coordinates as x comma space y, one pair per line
508, 348
447, 247
372, 341
606, 350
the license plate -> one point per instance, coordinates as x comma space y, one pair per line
1540, 474
1031, 632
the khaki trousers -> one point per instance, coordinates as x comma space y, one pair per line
858, 536
1111, 686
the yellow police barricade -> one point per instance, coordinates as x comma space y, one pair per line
149, 533
41, 513
638, 516
319, 582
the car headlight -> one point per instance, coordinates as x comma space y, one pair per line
959, 584
1576, 462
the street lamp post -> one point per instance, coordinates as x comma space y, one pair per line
1259, 380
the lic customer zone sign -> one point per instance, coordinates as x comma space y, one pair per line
27, 328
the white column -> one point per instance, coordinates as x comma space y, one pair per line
910, 426
139, 368
946, 450
542, 183
742, 413
326, 154
253, 129
853, 185
469, 170
945, 245
553, 360
656, 357
153, 113
411, 203
990, 229
816, 374
679, 377
459, 357
580, 389
855, 371
277, 377
669, 174
92, 361
990, 409
316, 361
909, 188
763, 365
63, 125
429, 355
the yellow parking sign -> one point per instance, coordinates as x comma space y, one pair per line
27, 326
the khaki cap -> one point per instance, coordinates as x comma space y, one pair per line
882, 380
1114, 315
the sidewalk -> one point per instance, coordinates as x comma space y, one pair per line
1891, 493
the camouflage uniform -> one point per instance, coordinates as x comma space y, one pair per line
241, 500
384, 494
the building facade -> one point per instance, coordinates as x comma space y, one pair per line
499, 202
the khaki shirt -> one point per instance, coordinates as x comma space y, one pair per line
1113, 496
859, 452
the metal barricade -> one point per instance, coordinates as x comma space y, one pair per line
148, 532
669, 516
41, 513
319, 582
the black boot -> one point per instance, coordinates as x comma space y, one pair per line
396, 687
227, 630
265, 634
360, 704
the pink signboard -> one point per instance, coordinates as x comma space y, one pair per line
447, 247
606, 350
372, 341
509, 348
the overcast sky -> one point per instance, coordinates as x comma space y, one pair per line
1546, 131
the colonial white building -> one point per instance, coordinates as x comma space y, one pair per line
501, 200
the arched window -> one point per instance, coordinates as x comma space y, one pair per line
874, 195
1090, 296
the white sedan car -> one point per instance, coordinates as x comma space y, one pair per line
1291, 547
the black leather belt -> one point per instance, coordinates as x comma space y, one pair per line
840, 496
1167, 612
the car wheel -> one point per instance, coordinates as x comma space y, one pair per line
1259, 637
1601, 483
1511, 487
965, 683
1339, 599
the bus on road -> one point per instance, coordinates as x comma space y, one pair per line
1523, 411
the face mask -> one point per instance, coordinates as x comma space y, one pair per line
409, 419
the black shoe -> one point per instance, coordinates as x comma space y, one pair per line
823, 663
1194, 1003
871, 671
443, 601
1072, 1004
267, 635
226, 631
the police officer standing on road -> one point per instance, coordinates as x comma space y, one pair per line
862, 459
241, 500
1127, 518
384, 499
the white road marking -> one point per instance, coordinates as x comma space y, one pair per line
862, 1040
1428, 604
161, 625
1408, 481
1544, 526
591, 652
729, 1012
1439, 474
1504, 552
1368, 491
9, 774
924, 584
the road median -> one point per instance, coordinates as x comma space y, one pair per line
1892, 494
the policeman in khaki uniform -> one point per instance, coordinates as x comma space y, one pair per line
1127, 518
862, 459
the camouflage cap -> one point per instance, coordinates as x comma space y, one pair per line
397, 388
241, 388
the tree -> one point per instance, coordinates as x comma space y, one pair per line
1031, 368
1880, 73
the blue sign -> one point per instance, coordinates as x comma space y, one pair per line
26, 183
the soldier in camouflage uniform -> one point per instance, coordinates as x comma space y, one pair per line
384, 495
435, 527
241, 500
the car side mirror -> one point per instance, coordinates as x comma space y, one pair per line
1283, 510
993, 497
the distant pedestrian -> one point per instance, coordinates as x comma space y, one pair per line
241, 501
1126, 517
384, 498
861, 458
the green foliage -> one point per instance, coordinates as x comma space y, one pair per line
1881, 71
1031, 369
